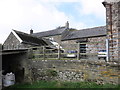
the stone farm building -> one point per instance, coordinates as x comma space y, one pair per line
33, 70
20, 40
66, 36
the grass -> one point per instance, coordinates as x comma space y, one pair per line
56, 84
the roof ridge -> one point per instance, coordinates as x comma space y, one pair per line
94, 27
26, 34
51, 30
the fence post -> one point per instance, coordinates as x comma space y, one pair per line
78, 52
43, 52
107, 49
58, 51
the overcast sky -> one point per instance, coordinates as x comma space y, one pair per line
42, 15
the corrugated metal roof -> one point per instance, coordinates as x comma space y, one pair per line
86, 33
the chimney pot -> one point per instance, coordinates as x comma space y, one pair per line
31, 31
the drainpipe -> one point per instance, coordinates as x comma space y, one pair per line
110, 6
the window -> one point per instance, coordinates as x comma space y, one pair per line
82, 48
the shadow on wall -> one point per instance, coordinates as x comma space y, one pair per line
12, 63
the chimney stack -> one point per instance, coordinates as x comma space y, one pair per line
67, 24
31, 31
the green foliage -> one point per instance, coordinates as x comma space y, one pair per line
56, 84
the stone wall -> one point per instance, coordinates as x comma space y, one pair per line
118, 27
70, 45
91, 48
17, 64
113, 27
75, 70
12, 43
98, 43
67, 45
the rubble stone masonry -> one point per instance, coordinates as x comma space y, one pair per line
113, 27
99, 72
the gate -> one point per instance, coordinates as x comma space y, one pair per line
95, 50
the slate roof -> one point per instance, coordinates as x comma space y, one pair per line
109, 1
29, 39
86, 33
57, 31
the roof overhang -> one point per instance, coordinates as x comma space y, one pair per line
82, 38
16, 51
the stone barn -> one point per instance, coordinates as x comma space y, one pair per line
56, 36
91, 40
16, 54
20, 40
